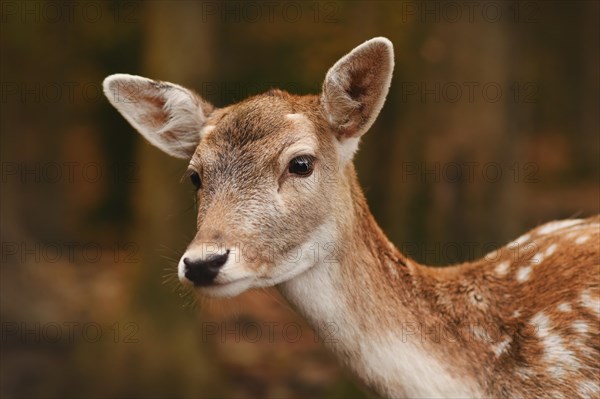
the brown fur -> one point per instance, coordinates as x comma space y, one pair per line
453, 302
521, 322
457, 299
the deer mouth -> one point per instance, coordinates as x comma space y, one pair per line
226, 289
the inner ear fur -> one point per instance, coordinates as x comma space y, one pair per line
355, 88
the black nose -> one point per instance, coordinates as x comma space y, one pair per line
204, 271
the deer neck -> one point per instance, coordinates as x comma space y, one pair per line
351, 274
361, 298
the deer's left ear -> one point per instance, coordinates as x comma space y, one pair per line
356, 86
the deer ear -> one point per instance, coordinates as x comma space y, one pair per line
167, 115
356, 86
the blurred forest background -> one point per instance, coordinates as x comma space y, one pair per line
491, 127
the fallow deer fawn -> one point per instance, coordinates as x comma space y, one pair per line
275, 171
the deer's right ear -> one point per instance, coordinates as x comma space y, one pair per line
167, 115
355, 88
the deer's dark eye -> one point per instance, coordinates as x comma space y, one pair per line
195, 179
301, 166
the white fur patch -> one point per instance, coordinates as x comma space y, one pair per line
206, 130
406, 370
314, 287
537, 259
347, 148
550, 250
502, 346
231, 289
502, 268
590, 302
491, 255
580, 326
392, 268
523, 274
522, 240
480, 333
565, 307
560, 360
582, 239
552, 227
296, 117
589, 389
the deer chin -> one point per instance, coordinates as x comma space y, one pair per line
228, 289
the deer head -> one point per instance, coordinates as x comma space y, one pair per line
273, 173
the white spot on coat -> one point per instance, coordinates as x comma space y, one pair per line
537, 258
554, 226
392, 268
502, 268
582, 239
565, 307
294, 116
480, 333
556, 355
590, 302
492, 255
523, 274
589, 389
550, 250
501, 347
522, 240
580, 326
